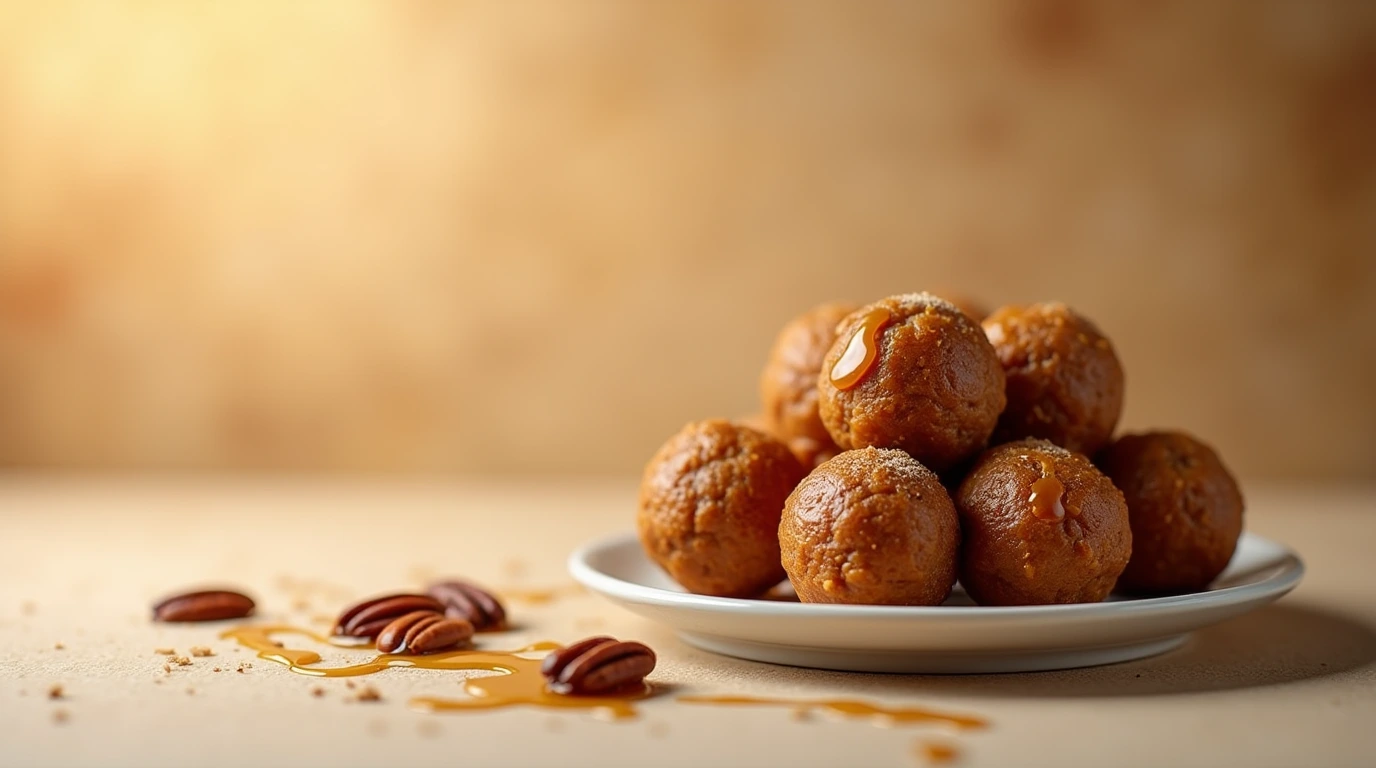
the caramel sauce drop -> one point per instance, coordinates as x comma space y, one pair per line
861, 351
937, 753
1047, 492
877, 714
519, 682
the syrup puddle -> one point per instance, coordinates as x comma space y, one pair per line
877, 714
518, 681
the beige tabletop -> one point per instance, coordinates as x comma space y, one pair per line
81, 561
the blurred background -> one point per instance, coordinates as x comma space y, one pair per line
537, 237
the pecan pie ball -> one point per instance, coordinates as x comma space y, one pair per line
912, 372
1185, 508
1065, 383
788, 385
1041, 525
870, 527
710, 502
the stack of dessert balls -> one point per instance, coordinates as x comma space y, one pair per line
906, 444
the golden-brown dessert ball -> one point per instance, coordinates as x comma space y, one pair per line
871, 527
1065, 383
973, 308
911, 372
1041, 525
788, 385
710, 502
1185, 508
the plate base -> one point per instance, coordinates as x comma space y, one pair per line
928, 662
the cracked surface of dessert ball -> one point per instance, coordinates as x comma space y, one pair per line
912, 372
1065, 383
1040, 525
1185, 508
710, 502
788, 384
870, 527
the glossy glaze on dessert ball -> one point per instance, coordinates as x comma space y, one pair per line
788, 384
1065, 383
870, 527
710, 502
1185, 508
1040, 525
912, 372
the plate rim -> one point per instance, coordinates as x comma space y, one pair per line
1286, 576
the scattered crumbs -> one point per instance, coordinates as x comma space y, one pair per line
217, 669
369, 693
55, 692
58, 646
236, 650
659, 730
243, 666
157, 681
165, 651
60, 716
1139, 674
201, 651
350, 685
180, 661
190, 691
167, 668
429, 729
317, 691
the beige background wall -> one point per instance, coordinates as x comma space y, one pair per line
539, 236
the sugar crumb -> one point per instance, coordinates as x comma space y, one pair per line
180, 661
369, 693
350, 685
201, 651
317, 691
217, 669
58, 646
56, 692
165, 651
167, 668
60, 716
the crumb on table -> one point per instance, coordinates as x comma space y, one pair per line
165, 651
56, 692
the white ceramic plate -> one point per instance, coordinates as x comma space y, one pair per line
957, 637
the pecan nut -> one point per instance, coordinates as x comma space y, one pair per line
206, 605
370, 617
597, 665
465, 600
422, 632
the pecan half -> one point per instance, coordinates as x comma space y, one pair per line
597, 665
465, 600
206, 605
424, 632
370, 617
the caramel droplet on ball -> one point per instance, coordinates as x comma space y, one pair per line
1046, 494
861, 351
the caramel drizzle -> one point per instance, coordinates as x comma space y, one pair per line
1047, 492
519, 681
861, 351
877, 714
